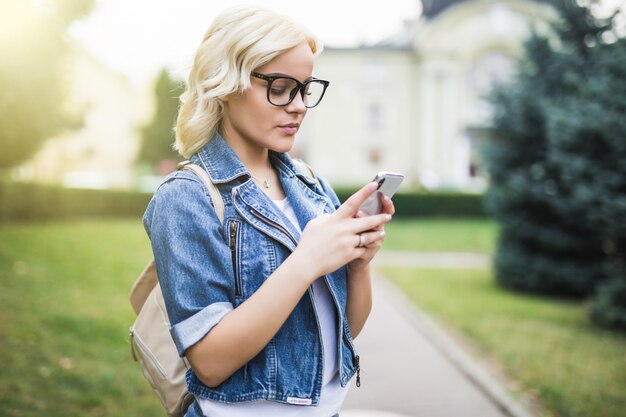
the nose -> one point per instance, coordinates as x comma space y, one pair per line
297, 104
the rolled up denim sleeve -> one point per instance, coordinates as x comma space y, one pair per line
191, 330
192, 259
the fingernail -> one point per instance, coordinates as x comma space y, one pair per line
388, 217
382, 234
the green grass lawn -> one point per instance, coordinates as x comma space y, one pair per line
64, 318
441, 235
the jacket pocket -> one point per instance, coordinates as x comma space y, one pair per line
233, 241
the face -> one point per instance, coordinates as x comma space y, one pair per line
251, 124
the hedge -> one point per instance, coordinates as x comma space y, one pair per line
432, 204
27, 202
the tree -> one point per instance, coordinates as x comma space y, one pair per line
157, 137
557, 162
32, 82
587, 131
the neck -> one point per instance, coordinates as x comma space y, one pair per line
257, 162
256, 159
259, 165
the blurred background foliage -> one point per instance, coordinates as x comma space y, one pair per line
556, 166
157, 136
33, 74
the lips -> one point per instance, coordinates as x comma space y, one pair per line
290, 128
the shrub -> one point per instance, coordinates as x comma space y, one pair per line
27, 202
432, 204
609, 305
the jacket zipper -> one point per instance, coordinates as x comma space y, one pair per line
319, 329
271, 223
345, 336
357, 360
233, 229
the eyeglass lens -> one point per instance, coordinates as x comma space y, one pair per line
283, 90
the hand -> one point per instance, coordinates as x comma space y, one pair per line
332, 240
372, 239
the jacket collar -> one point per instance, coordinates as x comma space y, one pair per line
220, 161
223, 165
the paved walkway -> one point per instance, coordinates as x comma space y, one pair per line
433, 259
410, 367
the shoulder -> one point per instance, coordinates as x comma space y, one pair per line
181, 198
179, 182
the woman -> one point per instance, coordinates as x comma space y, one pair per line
264, 306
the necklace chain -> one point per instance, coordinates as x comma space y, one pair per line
266, 183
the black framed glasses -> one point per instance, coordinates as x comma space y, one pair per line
281, 90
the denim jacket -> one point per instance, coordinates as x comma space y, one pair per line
206, 269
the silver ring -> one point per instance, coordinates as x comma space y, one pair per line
361, 241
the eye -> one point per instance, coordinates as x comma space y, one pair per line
277, 91
282, 86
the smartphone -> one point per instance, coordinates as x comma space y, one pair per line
388, 183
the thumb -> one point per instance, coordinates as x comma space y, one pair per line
351, 206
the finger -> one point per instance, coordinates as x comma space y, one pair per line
367, 223
362, 214
388, 206
351, 206
370, 238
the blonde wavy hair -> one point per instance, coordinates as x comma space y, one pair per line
239, 40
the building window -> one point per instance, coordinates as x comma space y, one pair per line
374, 73
375, 117
486, 72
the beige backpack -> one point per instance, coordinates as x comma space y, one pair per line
150, 341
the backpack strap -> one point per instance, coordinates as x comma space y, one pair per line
216, 197
148, 279
304, 169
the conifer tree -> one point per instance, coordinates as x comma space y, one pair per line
557, 165
587, 131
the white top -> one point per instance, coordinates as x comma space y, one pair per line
332, 395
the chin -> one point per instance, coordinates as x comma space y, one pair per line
284, 144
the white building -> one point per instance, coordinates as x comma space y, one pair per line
414, 103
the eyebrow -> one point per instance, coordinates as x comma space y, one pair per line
281, 74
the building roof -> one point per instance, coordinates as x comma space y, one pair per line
431, 8
403, 39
